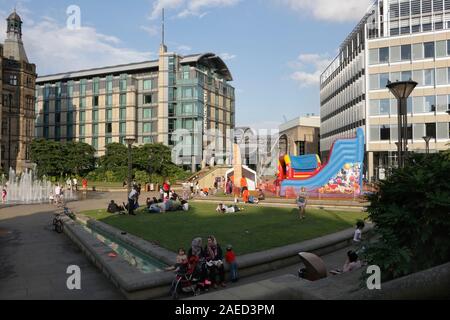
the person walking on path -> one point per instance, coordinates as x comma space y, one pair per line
302, 201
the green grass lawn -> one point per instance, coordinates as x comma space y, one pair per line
255, 229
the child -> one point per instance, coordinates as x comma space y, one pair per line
358, 232
51, 198
182, 261
4, 194
230, 258
301, 203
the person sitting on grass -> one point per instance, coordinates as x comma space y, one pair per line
261, 195
114, 208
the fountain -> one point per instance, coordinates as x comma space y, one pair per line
26, 188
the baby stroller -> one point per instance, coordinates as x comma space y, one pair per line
189, 279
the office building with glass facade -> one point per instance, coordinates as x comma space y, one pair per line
396, 40
183, 102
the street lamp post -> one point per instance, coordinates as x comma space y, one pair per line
427, 141
130, 142
402, 90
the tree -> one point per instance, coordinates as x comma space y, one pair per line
411, 217
116, 155
48, 156
80, 158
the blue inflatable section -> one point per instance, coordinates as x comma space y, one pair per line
344, 151
304, 163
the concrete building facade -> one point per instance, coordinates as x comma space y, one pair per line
183, 102
396, 40
17, 86
300, 136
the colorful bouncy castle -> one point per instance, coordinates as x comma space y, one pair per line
342, 174
302, 167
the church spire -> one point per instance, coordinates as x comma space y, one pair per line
13, 48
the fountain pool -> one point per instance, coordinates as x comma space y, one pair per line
26, 188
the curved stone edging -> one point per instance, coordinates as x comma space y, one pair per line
136, 285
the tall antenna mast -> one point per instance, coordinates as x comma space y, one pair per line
163, 26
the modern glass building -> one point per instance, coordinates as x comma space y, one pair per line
184, 102
395, 40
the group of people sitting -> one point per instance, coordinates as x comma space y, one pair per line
209, 261
174, 203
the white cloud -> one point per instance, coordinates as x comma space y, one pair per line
227, 56
330, 10
186, 8
54, 48
184, 48
309, 68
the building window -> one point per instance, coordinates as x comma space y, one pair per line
13, 80
96, 86
384, 79
417, 51
406, 75
108, 128
109, 100
108, 140
95, 129
428, 48
95, 101
123, 100
385, 106
406, 52
385, 133
57, 117
430, 104
109, 84
82, 130
147, 128
147, 140
83, 87
123, 82
148, 99
95, 143
82, 103
429, 77
69, 116
301, 148
82, 116
147, 113
430, 130
122, 128
441, 49
109, 114
123, 114
95, 115
147, 84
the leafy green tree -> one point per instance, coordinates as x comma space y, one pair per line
48, 156
116, 155
411, 213
80, 158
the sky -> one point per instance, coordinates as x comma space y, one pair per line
275, 49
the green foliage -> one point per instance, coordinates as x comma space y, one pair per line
411, 213
55, 159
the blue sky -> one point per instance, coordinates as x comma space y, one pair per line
275, 49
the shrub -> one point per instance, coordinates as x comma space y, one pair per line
411, 213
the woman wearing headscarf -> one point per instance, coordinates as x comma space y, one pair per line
197, 253
214, 262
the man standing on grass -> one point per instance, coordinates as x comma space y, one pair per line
132, 197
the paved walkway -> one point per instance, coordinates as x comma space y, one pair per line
34, 259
